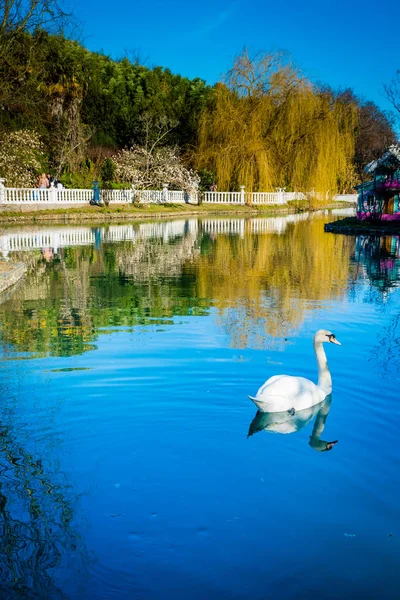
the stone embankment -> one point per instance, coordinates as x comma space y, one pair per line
10, 274
117, 214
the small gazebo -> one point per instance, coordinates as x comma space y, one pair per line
380, 197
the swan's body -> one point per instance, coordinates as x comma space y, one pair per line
284, 392
287, 393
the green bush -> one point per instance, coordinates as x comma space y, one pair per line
82, 179
107, 171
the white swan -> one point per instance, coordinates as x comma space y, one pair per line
284, 392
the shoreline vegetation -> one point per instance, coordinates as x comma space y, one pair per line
93, 214
75, 116
352, 226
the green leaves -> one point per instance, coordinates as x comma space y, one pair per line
86, 99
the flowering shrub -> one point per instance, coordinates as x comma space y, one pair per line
155, 169
21, 158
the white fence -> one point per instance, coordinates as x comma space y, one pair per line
250, 198
272, 197
265, 198
223, 198
116, 196
44, 196
149, 196
54, 196
164, 197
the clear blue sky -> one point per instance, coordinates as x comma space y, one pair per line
342, 43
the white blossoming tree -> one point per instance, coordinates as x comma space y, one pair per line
21, 158
145, 169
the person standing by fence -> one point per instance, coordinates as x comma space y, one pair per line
43, 181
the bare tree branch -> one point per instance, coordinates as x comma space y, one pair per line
392, 91
28, 15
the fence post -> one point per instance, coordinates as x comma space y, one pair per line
2, 191
242, 197
165, 193
133, 193
53, 195
281, 195
194, 194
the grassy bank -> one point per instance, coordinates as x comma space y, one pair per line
93, 214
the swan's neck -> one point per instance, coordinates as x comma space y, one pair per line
324, 376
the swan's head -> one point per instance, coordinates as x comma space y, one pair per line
323, 335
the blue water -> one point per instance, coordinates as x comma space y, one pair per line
126, 466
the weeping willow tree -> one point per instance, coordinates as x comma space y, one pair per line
268, 127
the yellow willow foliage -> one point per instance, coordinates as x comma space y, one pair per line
314, 141
231, 141
263, 285
291, 136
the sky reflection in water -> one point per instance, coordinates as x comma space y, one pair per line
128, 354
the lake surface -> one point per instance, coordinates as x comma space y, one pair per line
127, 356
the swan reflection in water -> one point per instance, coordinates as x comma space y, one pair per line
287, 422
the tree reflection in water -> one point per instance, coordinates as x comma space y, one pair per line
262, 284
378, 259
37, 538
